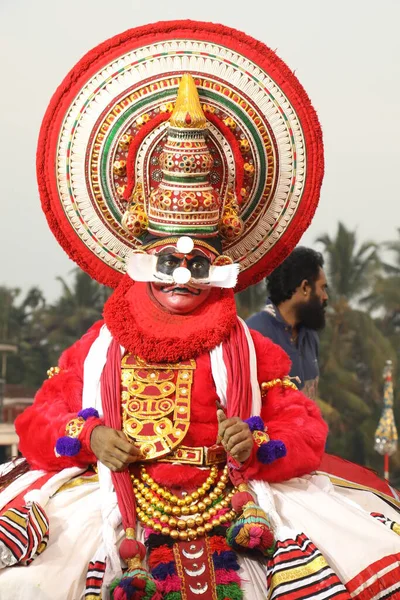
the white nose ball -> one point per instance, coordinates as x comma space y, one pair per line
181, 275
185, 244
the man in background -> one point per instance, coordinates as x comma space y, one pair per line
295, 311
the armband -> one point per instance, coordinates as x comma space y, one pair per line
285, 383
53, 371
69, 444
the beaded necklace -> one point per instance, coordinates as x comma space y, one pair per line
185, 518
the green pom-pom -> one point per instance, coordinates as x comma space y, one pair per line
118, 588
231, 591
173, 596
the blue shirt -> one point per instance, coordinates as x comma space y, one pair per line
303, 353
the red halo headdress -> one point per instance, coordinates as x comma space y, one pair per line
106, 128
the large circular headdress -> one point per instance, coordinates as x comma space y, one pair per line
107, 126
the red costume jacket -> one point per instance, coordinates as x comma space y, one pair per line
288, 414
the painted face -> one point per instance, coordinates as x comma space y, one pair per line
181, 298
184, 262
197, 264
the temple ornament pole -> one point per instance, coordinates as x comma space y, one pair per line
386, 432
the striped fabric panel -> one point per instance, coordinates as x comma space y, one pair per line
24, 532
38, 532
13, 532
298, 571
388, 522
94, 580
379, 581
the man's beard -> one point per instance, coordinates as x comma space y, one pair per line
311, 314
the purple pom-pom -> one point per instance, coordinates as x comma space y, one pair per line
163, 570
227, 559
127, 584
270, 451
86, 413
255, 423
67, 446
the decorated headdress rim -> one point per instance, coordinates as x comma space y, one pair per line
257, 258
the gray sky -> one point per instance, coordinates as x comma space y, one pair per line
345, 53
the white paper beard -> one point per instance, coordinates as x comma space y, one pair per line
143, 267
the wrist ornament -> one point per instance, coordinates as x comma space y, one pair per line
268, 450
69, 444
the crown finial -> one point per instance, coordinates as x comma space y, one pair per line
187, 113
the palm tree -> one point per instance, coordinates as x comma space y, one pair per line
353, 347
385, 294
350, 271
79, 306
42, 332
350, 268
384, 300
394, 247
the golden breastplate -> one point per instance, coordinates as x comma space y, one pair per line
156, 404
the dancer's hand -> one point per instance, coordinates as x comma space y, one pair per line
235, 436
112, 448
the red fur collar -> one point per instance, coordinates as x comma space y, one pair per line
157, 336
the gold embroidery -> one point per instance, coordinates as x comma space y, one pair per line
156, 404
291, 575
77, 481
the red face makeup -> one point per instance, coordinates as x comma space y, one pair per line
178, 299
181, 298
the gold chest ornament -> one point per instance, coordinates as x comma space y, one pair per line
156, 404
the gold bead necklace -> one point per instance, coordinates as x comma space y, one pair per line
163, 517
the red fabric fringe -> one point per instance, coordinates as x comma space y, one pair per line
237, 362
111, 398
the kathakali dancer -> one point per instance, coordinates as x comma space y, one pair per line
169, 456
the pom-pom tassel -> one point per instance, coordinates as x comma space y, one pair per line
136, 583
270, 451
252, 530
67, 446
